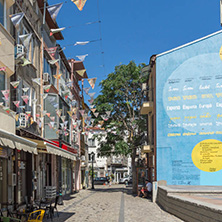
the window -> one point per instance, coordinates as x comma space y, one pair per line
91, 142
2, 12
2, 84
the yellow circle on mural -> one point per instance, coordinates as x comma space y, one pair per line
207, 155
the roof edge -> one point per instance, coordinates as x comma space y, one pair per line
189, 43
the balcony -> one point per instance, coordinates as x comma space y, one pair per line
7, 48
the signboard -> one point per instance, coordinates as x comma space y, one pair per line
3, 152
189, 113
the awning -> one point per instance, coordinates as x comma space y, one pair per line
16, 142
59, 152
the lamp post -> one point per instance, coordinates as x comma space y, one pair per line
93, 155
60, 200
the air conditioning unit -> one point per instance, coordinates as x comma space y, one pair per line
22, 120
45, 77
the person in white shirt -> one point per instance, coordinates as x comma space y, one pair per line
147, 192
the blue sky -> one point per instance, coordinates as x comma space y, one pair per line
133, 29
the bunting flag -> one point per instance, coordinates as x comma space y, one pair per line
66, 133
74, 102
93, 110
25, 39
16, 103
52, 62
44, 96
37, 81
51, 50
92, 121
104, 117
56, 105
63, 118
82, 112
81, 43
79, 4
70, 113
22, 107
65, 123
74, 110
82, 57
58, 112
108, 113
1, 104
92, 82
16, 18
3, 68
52, 118
26, 62
81, 72
74, 117
7, 109
96, 114
47, 88
91, 101
54, 10
25, 89
91, 106
65, 93
37, 115
16, 117
5, 94
48, 114
85, 116
79, 122
57, 76
92, 95
52, 124
25, 98
44, 112
15, 84
101, 122
86, 90
28, 113
53, 31
34, 101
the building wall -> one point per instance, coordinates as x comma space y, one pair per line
188, 109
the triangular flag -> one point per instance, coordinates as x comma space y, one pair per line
15, 84
92, 95
74, 117
82, 112
81, 43
58, 112
74, 110
86, 90
44, 112
52, 123
28, 113
70, 113
25, 89
101, 122
22, 107
92, 82
26, 40
16, 117
50, 126
73, 103
37, 115
53, 31
51, 50
91, 106
91, 101
79, 122
108, 113
3, 68
65, 123
25, 98
16, 18
16, 103
82, 57
104, 117
63, 118
79, 3
81, 72
93, 110
52, 118
37, 81
54, 10
57, 76
52, 62
7, 109
47, 88
96, 114
44, 96
26, 62
5, 93
48, 114
34, 101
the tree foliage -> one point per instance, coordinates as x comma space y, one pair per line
121, 93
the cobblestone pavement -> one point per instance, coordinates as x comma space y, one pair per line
111, 204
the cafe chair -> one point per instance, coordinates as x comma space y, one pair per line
36, 216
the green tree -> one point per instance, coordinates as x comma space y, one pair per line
121, 93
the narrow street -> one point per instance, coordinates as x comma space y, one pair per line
110, 204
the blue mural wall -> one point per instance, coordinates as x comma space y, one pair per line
189, 113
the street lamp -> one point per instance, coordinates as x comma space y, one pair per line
60, 200
92, 155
